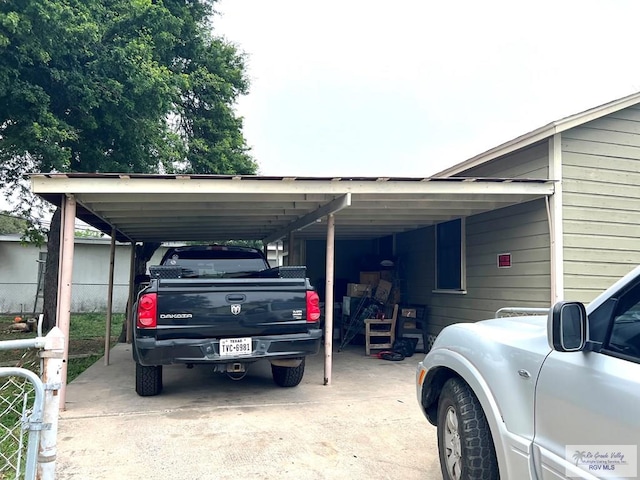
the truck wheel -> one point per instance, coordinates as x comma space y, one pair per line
464, 439
288, 376
148, 380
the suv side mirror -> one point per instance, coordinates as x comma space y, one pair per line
567, 327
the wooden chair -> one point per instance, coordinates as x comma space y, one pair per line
414, 326
382, 328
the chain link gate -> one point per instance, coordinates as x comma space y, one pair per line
29, 410
21, 407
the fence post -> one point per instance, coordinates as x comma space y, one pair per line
52, 356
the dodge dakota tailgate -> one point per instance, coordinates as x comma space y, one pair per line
198, 308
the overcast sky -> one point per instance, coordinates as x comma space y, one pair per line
411, 87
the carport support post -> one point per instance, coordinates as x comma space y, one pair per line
132, 278
328, 300
63, 314
291, 256
107, 335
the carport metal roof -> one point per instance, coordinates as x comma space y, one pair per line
213, 207
220, 207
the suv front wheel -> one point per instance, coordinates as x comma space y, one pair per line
464, 439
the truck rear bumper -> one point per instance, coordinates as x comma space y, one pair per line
149, 351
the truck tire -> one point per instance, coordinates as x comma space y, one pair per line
148, 380
287, 376
465, 444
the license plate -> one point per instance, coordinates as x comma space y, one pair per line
235, 346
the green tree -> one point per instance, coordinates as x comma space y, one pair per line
115, 86
10, 224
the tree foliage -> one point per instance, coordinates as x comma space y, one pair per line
10, 224
116, 86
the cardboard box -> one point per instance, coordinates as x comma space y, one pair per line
394, 296
408, 312
370, 278
386, 275
358, 290
383, 291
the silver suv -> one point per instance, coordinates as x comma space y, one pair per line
539, 397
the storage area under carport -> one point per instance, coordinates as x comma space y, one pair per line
329, 224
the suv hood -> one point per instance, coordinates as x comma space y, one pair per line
506, 353
523, 339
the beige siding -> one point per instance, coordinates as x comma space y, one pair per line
531, 162
522, 230
601, 179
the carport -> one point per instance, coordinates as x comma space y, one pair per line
137, 208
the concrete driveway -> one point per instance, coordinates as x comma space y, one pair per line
366, 425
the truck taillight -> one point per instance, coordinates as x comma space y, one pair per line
147, 310
313, 307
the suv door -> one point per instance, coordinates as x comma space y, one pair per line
588, 403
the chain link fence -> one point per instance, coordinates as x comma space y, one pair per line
29, 407
17, 397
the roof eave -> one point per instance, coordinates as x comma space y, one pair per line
542, 133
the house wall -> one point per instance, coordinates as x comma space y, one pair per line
91, 277
530, 162
601, 207
19, 275
522, 230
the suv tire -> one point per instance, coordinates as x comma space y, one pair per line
465, 444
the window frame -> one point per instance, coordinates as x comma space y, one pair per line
463, 267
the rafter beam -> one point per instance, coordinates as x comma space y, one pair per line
333, 206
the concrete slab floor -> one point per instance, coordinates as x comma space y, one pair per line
367, 424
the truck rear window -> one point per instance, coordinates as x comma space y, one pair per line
216, 268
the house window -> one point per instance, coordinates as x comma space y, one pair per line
450, 255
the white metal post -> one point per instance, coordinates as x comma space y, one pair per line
63, 317
132, 278
554, 211
328, 300
52, 356
112, 258
291, 256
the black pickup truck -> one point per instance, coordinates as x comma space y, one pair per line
223, 306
